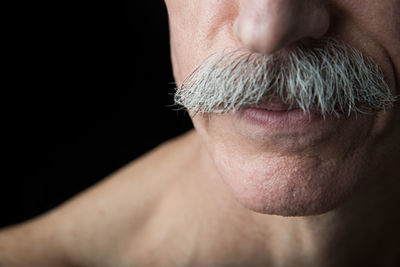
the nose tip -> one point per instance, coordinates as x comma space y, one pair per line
267, 26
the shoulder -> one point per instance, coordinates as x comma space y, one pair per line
96, 227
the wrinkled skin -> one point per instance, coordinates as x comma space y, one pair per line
206, 198
307, 170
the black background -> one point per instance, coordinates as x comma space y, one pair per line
87, 88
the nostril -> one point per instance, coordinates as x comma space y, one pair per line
267, 26
265, 38
321, 22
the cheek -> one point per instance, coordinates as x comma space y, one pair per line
197, 30
182, 25
374, 28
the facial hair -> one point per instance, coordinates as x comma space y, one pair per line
331, 78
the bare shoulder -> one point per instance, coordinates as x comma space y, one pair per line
107, 219
98, 226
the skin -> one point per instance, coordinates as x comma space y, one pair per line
307, 170
203, 204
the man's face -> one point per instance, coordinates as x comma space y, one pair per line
276, 160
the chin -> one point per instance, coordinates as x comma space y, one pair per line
290, 186
304, 170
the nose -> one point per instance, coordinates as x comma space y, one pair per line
267, 26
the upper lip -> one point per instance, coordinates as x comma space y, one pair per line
275, 105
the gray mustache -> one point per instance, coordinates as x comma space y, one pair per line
332, 79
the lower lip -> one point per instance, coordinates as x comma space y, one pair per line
278, 119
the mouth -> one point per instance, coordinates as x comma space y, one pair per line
276, 115
275, 105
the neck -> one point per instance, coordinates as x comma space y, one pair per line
363, 230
